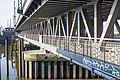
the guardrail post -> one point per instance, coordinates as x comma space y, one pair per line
68, 44
87, 44
90, 49
64, 44
59, 43
104, 50
75, 45
40, 39
83, 47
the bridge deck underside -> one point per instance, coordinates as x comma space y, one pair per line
53, 8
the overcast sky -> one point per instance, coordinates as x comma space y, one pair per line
6, 11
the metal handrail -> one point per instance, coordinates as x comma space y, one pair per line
106, 52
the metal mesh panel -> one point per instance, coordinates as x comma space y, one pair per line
71, 46
62, 44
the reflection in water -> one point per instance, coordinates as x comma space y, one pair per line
12, 66
12, 71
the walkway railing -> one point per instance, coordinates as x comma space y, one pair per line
108, 52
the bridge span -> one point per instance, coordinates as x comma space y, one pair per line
74, 29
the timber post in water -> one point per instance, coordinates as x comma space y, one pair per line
6, 53
21, 69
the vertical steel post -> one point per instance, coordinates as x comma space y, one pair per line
6, 53
20, 57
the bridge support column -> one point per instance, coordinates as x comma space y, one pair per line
80, 72
71, 71
67, 70
49, 70
46, 70
26, 69
61, 68
43, 68
88, 73
40, 69
83, 73
36, 69
6, 53
52, 69
74, 71
58, 69
21, 64
55, 70
77, 72
30, 70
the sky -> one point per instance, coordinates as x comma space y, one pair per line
6, 12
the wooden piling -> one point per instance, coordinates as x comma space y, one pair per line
7, 55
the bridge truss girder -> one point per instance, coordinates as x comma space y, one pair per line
77, 22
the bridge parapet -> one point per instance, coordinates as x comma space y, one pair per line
107, 52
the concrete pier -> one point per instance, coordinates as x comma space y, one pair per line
47, 64
38, 65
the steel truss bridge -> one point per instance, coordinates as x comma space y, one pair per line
74, 29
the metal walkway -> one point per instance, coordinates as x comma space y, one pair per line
74, 29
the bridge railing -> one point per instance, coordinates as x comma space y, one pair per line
109, 51
31, 36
